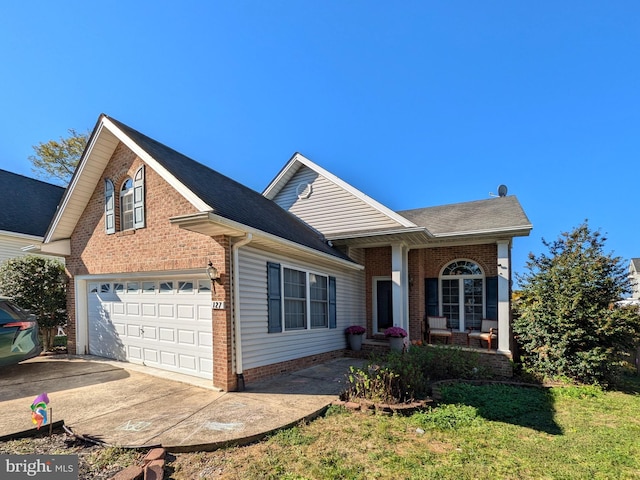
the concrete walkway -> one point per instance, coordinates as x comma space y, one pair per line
133, 406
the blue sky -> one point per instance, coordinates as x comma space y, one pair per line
415, 103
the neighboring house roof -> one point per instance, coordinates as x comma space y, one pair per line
27, 204
494, 215
209, 191
636, 264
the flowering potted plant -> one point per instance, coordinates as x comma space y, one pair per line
354, 335
396, 337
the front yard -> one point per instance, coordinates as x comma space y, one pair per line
490, 431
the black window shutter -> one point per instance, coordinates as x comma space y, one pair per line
431, 287
274, 297
333, 311
491, 297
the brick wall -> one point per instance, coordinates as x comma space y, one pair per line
159, 247
422, 263
259, 373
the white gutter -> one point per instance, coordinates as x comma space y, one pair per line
235, 291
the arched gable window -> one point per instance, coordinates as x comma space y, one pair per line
126, 205
462, 286
132, 202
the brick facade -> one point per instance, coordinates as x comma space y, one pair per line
162, 247
158, 247
423, 263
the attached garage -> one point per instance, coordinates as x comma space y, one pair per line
159, 322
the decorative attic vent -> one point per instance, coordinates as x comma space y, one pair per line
304, 190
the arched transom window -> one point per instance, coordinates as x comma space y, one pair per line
462, 285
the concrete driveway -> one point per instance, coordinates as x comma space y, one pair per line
132, 406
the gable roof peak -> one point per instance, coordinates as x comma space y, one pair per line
298, 160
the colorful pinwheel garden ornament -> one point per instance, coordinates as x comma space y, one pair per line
39, 410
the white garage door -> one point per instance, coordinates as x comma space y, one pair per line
162, 323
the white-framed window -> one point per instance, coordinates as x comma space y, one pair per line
295, 299
462, 293
318, 300
126, 205
299, 299
130, 203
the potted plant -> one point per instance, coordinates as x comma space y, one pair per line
354, 336
396, 336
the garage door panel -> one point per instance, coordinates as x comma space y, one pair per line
135, 353
133, 308
206, 365
167, 334
150, 355
150, 332
205, 339
166, 310
120, 328
133, 331
168, 359
203, 313
163, 323
148, 309
187, 361
186, 312
186, 337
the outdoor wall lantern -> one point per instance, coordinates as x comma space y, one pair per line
213, 274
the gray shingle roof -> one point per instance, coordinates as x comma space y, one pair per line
500, 213
636, 264
27, 205
229, 198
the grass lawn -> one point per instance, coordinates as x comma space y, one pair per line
490, 431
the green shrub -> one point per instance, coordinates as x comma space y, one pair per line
37, 284
403, 377
565, 320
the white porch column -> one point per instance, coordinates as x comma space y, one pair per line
504, 312
399, 282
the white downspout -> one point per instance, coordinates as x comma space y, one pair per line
235, 271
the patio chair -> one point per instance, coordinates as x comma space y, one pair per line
437, 327
488, 332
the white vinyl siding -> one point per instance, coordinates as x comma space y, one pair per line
261, 348
330, 208
11, 247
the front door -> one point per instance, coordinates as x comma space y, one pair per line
383, 304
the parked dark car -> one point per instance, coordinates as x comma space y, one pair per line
18, 334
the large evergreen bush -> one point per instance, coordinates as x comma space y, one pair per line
566, 321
